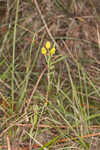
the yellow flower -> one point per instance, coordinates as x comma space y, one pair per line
48, 44
52, 51
47, 50
44, 51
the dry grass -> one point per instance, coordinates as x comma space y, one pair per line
72, 114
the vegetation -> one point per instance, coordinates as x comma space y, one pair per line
49, 75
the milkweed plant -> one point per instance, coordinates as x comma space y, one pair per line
48, 53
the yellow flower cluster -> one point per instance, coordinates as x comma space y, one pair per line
47, 49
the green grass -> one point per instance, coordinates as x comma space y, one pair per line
47, 102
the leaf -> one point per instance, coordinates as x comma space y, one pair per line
49, 143
58, 60
35, 107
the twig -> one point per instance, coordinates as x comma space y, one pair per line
8, 143
76, 138
37, 83
47, 29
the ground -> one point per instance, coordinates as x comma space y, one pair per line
49, 101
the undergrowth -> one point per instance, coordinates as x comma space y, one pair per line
49, 76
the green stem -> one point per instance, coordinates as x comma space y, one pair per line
14, 47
